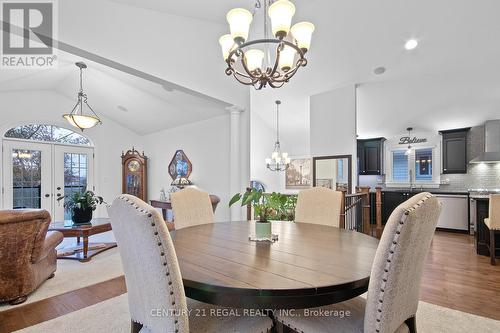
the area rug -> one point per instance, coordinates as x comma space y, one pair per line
72, 275
112, 316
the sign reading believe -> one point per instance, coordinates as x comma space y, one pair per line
406, 140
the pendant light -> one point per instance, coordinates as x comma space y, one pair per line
408, 151
78, 117
279, 161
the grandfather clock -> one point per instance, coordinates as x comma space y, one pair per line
134, 174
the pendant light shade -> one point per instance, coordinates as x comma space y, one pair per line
287, 58
239, 20
281, 13
254, 59
82, 116
226, 43
302, 32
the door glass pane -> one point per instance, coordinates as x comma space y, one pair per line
423, 164
75, 175
26, 178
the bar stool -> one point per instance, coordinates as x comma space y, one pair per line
493, 223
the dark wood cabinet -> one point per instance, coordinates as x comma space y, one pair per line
370, 156
455, 150
391, 200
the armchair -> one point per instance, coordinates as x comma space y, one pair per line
27, 253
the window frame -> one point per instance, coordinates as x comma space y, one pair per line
436, 166
6, 129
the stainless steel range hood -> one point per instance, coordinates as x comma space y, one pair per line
491, 143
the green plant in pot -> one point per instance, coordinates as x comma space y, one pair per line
81, 205
262, 209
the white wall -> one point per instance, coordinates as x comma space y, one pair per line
333, 124
206, 144
47, 107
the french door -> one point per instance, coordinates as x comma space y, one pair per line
36, 174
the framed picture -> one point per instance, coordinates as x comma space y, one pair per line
299, 173
328, 183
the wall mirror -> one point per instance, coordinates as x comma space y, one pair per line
333, 172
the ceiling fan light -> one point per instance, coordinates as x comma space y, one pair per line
226, 42
82, 122
254, 59
281, 13
287, 58
302, 32
239, 20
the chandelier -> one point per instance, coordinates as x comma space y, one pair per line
279, 161
77, 116
251, 62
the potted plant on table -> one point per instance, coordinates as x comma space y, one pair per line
261, 208
81, 205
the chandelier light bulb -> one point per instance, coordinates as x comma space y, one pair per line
302, 32
226, 42
281, 13
239, 20
287, 58
268, 161
254, 59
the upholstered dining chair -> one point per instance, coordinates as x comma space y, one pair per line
319, 205
28, 254
155, 289
392, 300
493, 224
191, 207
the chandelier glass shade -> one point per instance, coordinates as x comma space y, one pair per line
267, 61
279, 161
80, 117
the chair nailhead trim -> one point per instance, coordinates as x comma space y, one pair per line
391, 252
162, 253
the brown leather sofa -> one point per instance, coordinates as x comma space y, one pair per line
27, 253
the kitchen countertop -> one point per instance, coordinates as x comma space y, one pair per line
431, 190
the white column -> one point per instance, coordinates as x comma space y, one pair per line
235, 167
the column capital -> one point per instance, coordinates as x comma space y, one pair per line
234, 109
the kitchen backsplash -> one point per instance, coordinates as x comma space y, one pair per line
483, 175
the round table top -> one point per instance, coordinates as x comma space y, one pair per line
310, 265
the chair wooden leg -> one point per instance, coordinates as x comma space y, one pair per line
492, 247
412, 324
135, 327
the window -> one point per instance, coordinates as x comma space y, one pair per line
399, 166
340, 171
423, 164
47, 133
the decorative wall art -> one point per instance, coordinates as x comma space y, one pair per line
180, 169
299, 173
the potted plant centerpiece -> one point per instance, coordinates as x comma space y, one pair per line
81, 205
262, 208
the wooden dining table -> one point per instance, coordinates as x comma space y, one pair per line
309, 265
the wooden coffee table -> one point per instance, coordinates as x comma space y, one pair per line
82, 252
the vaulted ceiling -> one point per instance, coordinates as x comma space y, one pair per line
177, 42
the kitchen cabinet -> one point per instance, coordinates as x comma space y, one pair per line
455, 150
392, 199
370, 156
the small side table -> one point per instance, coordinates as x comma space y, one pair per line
82, 252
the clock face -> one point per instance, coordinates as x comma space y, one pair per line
133, 165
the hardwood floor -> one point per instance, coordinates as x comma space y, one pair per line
454, 277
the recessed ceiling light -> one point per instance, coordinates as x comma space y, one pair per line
379, 70
411, 44
122, 108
